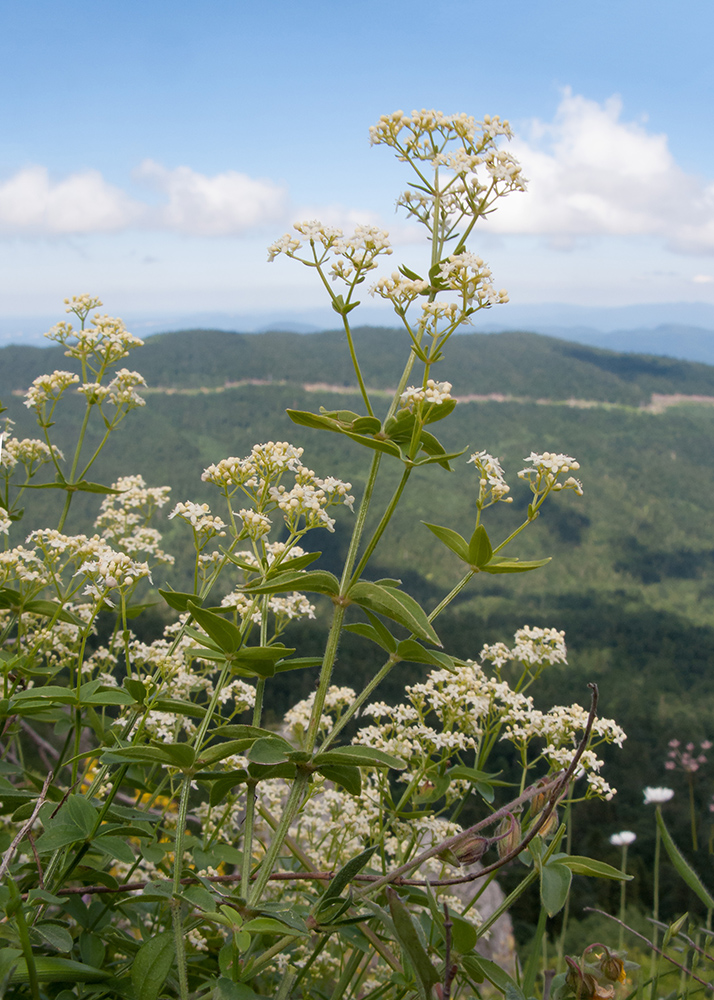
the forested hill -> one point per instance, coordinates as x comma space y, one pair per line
523, 365
632, 576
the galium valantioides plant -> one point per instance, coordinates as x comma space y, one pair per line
159, 839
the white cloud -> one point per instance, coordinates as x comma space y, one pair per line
592, 174
227, 204
81, 203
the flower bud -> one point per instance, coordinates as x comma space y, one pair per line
471, 850
547, 827
612, 968
508, 834
540, 799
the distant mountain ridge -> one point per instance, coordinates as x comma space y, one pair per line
526, 365
682, 330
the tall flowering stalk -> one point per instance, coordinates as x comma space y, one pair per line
271, 859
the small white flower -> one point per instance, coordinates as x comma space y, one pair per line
655, 796
623, 839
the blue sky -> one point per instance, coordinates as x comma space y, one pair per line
150, 151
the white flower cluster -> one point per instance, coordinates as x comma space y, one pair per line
532, 647
124, 518
256, 525
657, 796
400, 290
468, 275
355, 254
198, 515
48, 388
433, 393
112, 571
82, 305
623, 839
265, 462
29, 452
545, 469
100, 345
298, 717
290, 607
303, 505
309, 500
492, 482
5, 523
416, 135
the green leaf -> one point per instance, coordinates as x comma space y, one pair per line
503, 565
598, 869
55, 935
269, 750
179, 755
115, 847
293, 564
178, 601
221, 787
412, 275
684, 869
317, 581
451, 539
59, 970
376, 631
361, 757
555, 879
211, 755
297, 663
225, 989
59, 835
80, 487
52, 609
241, 732
81, 812
152, 964
480, 551
463, 935
394, 604
345, 875
269, 925
261, 660
440, 411
409, 939
224, 633
110, 696
476, 966
345, 775
414, 652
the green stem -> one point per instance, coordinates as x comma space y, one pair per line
176, 902
531, 969
348, 974
24, 935
247, 859
328, 662
289, 812
692, 814
623, 886
180, 947
357, 704
381, 527
655, 912
75, 462
355, 365
508, 902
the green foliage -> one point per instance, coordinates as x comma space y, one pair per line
156, 842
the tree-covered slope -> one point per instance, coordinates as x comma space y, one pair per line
517, 364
